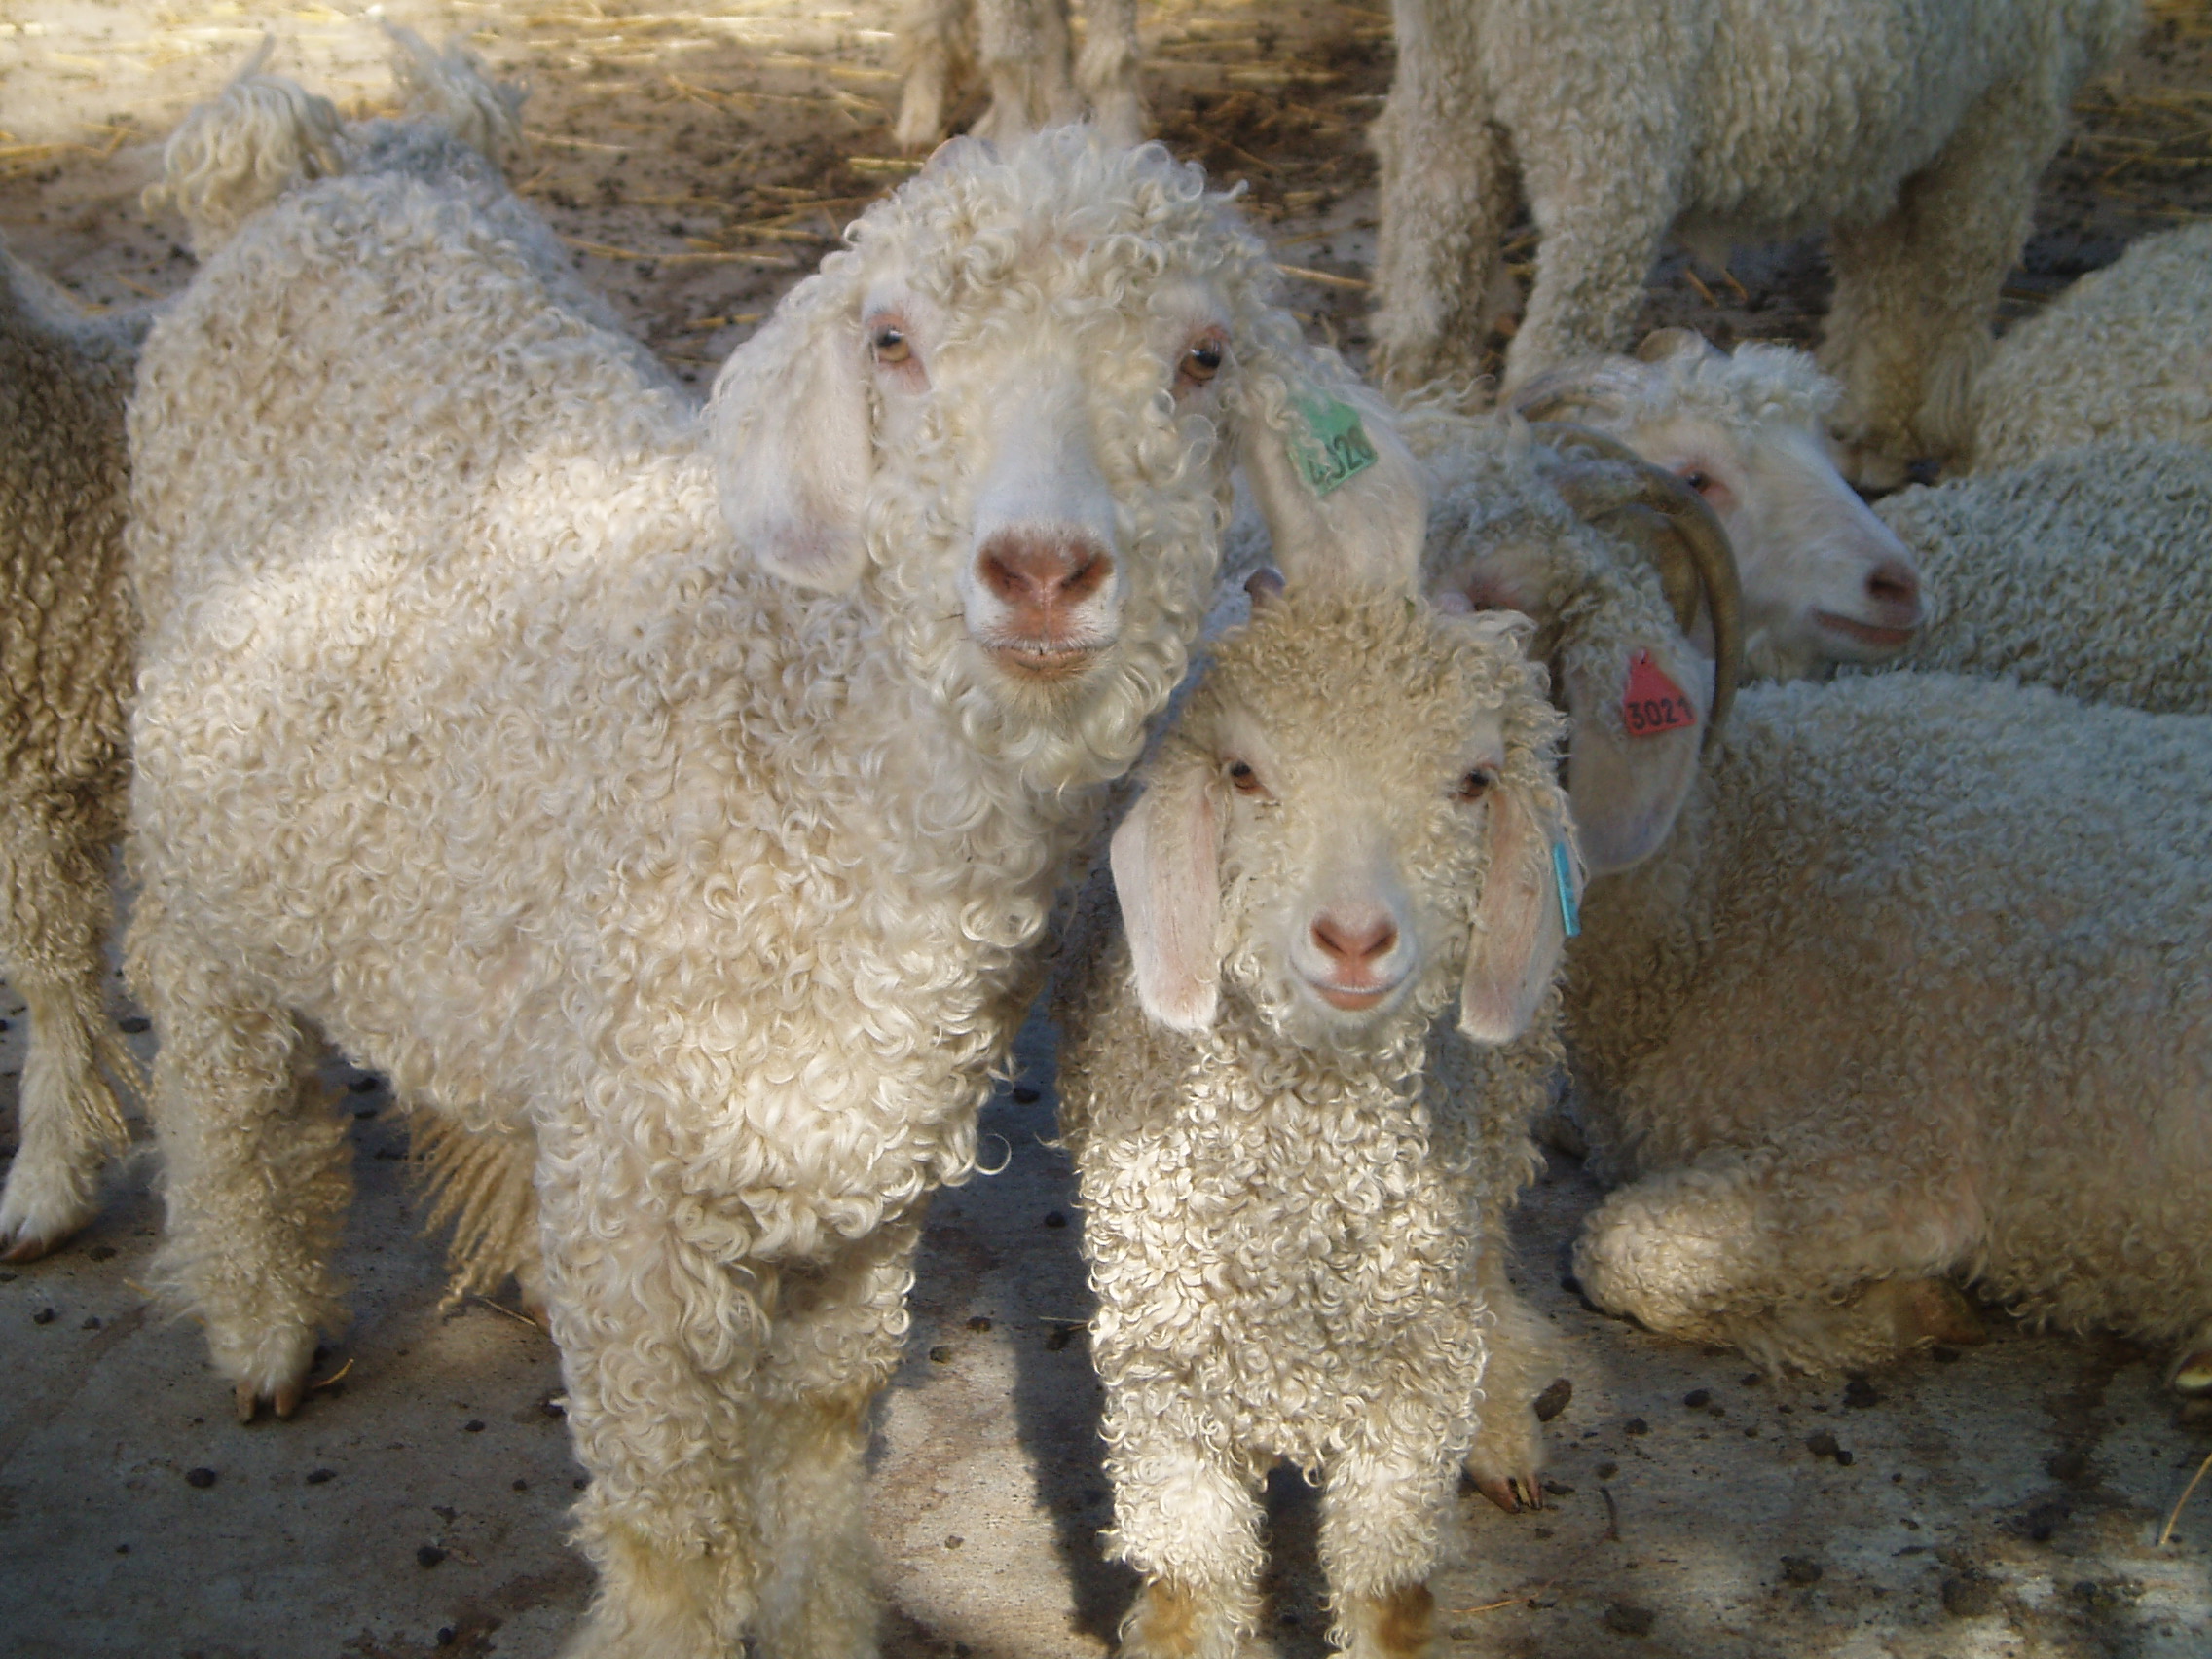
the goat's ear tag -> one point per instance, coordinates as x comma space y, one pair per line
1562, 878
1334, 445
1653, 703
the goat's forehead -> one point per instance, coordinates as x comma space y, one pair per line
1334, 705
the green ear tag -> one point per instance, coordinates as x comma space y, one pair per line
1334, 446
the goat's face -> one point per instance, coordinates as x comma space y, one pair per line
1368, 784
1007, 413
1825, 581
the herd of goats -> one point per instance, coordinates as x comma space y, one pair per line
684, 804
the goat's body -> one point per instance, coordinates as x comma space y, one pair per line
1916, 989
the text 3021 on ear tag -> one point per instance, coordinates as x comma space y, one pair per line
1653, 703
1333, 447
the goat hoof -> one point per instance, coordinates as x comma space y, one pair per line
284, 1399
538, 1314
1937, 1310
28, 1247
2193, 1376
1504, 1492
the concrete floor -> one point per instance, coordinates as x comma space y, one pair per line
2002, 1502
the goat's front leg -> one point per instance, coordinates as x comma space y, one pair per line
1384, 1508
1188, 1522
1815, 1257
721, 1408
836, 1341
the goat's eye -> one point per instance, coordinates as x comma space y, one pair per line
890, 344
1698, 479
1475, 784
1243, 778
1202, 361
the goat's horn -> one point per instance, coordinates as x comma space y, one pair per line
1557, 393
1694, 554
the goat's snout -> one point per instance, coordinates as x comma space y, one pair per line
1355, 943
1045, 583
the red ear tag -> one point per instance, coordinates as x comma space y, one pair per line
1653, 703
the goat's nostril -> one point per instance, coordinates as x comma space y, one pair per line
1354, 941
1045, 573
1895, 584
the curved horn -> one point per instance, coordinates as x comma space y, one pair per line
1693, 554
1559, 393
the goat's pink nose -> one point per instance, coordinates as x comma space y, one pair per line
1895, 586
1038, 576
1354, 939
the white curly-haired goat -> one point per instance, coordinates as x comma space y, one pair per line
1902, 988
2088, 570
1294, 1189
1914, 129
683, 788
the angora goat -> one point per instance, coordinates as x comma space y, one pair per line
2088, 570
1907, 989
1294, 1190
67, 636
1915, 129
2124, 355
688, 788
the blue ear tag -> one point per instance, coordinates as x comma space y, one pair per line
1563, 877
1334, 446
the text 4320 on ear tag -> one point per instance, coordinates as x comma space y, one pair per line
1653, 703
1327, 443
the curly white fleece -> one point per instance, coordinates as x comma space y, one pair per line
2088, 570
2123, 356
470, 734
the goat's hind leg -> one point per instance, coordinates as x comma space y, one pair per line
1824, 1260
930, 51
257, 1171
54, 886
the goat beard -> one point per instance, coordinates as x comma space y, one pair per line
1089, 728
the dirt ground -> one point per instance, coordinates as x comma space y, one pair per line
2001, 1501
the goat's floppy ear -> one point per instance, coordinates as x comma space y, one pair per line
1166, 857
1519, 928
1342, 496
1638, 729
789, 428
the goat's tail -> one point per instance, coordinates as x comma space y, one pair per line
449, 88
231, 157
